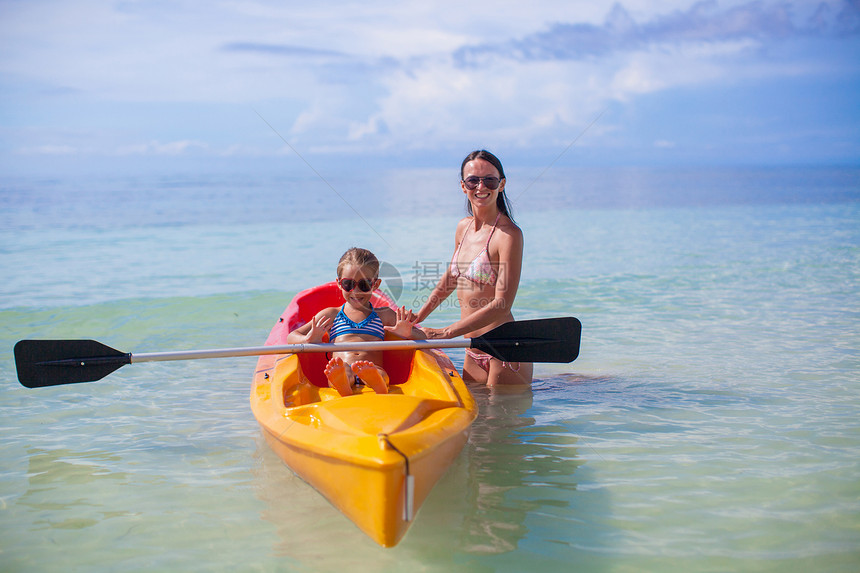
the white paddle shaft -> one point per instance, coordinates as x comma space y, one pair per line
299, 348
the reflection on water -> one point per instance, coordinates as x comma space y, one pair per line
60, 488
498, 462
516, 467
510, 470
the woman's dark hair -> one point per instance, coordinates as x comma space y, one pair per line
502, 199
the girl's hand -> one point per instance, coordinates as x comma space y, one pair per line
319, 326
406, 320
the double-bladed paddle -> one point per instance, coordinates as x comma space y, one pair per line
55, 362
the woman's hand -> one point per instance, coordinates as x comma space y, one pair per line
436, 333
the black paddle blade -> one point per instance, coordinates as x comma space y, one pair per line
542, 340
54, 362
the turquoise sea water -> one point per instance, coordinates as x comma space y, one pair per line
709, 424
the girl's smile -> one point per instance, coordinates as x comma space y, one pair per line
357, 277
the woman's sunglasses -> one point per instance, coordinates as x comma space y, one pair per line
364, 285
491, 183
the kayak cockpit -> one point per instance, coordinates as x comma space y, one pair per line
303, 381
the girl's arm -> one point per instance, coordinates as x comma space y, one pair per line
401, 323
313, 331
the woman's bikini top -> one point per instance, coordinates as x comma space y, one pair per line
370, 326
480, 270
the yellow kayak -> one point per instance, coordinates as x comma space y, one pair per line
373, 456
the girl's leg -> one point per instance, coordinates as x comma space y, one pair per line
372, 375
340, 376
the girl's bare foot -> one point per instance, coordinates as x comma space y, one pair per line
371, 375
338, 374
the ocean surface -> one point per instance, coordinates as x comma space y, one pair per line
711, 422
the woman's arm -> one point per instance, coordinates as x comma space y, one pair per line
447, 284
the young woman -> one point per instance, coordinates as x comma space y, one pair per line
484, 270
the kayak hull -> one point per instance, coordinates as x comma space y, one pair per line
374, 457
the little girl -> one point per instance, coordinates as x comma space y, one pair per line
357, 321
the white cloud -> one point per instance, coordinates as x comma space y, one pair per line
544, 85
357, 77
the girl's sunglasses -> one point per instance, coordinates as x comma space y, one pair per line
364, 285
471, 183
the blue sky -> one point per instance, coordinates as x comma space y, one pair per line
131, 86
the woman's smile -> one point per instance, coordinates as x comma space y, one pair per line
481, 181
